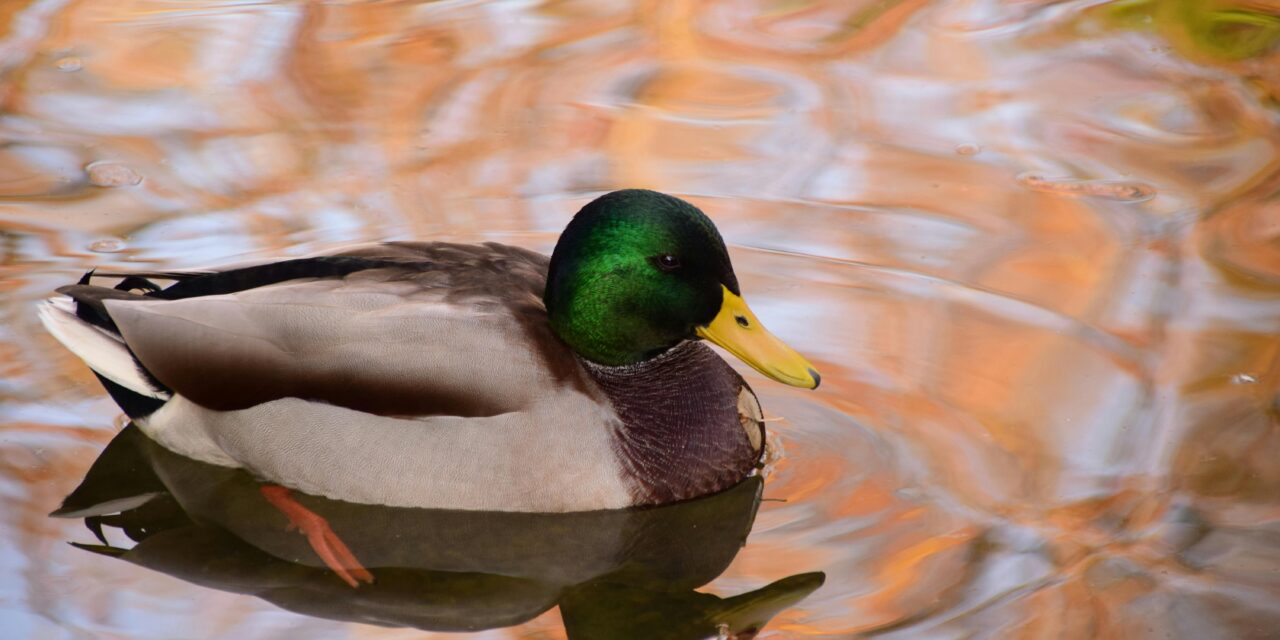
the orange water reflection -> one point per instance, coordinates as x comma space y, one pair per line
1045, 413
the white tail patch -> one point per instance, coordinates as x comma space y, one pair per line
102, 350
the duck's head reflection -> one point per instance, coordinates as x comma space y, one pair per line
614, 574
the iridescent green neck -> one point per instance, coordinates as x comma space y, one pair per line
609, 295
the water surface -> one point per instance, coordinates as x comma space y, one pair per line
1033, 246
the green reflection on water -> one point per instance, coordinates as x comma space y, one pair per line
1222, 30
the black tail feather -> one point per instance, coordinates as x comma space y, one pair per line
134, 404
194, 284
245, 278
90, 303
137, 283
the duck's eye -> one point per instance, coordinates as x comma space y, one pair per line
667, 262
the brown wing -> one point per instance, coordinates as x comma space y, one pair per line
431, 329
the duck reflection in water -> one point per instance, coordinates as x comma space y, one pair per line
625, 573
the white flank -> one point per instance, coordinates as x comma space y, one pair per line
508, 462
102, 351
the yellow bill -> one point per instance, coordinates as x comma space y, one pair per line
737, 330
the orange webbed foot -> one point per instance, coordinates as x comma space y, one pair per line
324, 541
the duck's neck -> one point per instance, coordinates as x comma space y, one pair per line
680, 433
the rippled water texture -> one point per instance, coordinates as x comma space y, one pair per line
1033, 246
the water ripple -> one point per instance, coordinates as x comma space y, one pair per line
1032, 246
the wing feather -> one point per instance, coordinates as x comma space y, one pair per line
466, 337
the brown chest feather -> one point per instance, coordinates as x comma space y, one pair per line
689, 423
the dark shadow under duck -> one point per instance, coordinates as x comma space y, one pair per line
615, 574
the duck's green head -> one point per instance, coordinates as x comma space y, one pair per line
636, 272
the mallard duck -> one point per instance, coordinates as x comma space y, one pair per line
454, 376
